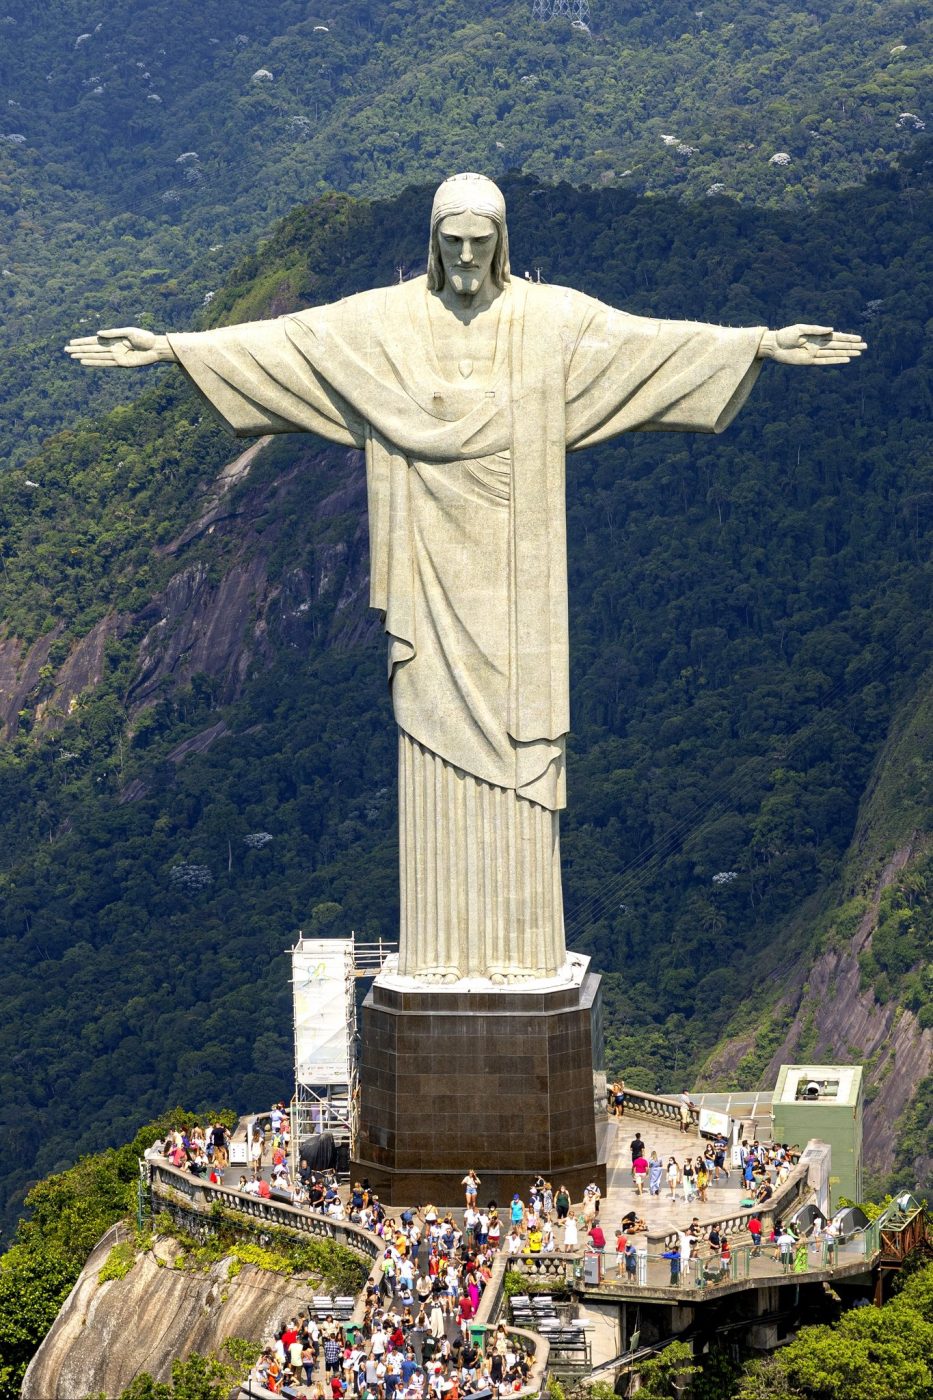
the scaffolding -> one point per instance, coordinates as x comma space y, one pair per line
325, 972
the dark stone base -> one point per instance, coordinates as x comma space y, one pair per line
509, 1083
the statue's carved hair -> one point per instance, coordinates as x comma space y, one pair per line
473, 194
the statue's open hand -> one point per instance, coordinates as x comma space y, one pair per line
124, 348
811, 345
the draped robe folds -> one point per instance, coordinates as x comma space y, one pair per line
468, 561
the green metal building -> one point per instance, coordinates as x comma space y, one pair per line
825, 1102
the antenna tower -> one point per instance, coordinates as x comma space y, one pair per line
561, 9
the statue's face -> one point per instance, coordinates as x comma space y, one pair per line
467, 244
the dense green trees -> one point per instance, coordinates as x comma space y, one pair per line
870, 1354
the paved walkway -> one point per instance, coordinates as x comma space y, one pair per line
724, 1198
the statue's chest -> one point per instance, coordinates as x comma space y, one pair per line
467, 357
465, 354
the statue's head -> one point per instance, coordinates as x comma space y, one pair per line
468, 207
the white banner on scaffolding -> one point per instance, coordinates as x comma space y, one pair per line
321, 972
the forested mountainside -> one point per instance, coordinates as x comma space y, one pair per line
144, 146
200, 752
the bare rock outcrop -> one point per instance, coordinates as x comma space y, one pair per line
20, 668
107, 1333
224, 618
837, 1018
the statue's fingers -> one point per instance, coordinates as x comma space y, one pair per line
831, 359
77, 341
121, 333
822, 350
853, 342
815, 330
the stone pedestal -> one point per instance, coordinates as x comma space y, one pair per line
507, 1081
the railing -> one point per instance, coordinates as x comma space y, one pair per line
656, 1273
659, 1106
167, 1182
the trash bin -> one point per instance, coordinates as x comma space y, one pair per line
477, 1334
350, 1330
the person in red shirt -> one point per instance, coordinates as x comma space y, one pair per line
289, 1335
754, 1229
640, 1171
336, 1387
465, 1309
597, 1238
263, 1189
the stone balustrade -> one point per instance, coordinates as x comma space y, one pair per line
168, 1183
557, 1269
661, 1107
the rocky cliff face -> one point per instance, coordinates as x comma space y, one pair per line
834, 1017
107, 1333
225, 612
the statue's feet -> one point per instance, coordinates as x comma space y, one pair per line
438, 976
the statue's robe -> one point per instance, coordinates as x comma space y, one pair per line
468, 559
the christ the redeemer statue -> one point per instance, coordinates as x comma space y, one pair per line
466, 389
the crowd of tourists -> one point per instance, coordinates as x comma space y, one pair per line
415, 1339
394, 1355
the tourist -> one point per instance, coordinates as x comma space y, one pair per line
220, 1139
597, 1238
471, 1185
719, 1157
571, 1238
784, 1247
640, 1171
673, 1176
686, 1110
655, 1173
754, 1229
495, 1230
591, 1198
618, 1098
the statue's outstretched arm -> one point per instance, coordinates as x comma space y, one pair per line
124, 348
810, 345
